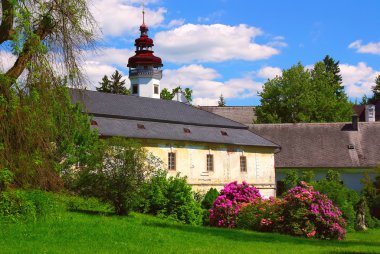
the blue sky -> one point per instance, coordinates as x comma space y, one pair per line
233, 46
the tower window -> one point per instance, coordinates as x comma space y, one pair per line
210, 162
135, 89
171, 161
156, 89
243, 164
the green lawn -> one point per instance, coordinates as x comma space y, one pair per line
77, 232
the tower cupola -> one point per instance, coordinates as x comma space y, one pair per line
144, 67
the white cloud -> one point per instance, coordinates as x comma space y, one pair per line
269, 72
370, 48
110, 56
7, 59
116, 17
206, 86
358, 79
175, 23
211, 43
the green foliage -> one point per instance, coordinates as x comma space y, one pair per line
118, 180
291, 179
332, 66
6, 178
43, 135
221, 101
333, 176
167, 95
371, 192
115, 85
342, 197
209, 198
307, 176
24, 206
172, 198
301, 95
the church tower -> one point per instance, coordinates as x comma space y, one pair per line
144, 68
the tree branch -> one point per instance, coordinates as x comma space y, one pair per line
6, 26
43, 30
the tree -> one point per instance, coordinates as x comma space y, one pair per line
167, 95
332, 66
119, 179
301, 95
115, 85
222, 101
376, 92
40, 130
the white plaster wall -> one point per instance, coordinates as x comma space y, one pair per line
191, 162
146, 86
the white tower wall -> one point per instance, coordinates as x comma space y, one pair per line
146, 86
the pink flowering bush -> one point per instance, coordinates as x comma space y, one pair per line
227, 205
263, 215
311, 214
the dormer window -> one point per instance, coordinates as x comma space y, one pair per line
224, 133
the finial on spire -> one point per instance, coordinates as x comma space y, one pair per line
143, 12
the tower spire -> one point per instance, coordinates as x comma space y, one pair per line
143, 13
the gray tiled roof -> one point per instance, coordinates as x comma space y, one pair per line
134, 107
240, 114
169, 131
323, 145
119, 115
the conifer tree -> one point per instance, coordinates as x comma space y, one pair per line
222, 101
115, 85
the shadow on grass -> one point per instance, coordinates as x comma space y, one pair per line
251, 236
92, 212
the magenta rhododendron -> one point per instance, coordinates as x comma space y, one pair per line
226, 207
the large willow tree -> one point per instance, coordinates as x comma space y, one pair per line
41, 133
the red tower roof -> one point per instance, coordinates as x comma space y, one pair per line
144, 53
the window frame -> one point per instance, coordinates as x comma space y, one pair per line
245, 168
133, 89
154, 89
210, 162
172, 162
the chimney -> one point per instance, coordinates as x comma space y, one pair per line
355, 122
370, 113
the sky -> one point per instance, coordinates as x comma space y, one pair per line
232, 47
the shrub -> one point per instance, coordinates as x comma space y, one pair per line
15, 207
171, 198
120, 178
210, 197
227, 205
6, 178
342, 197
311, 214
262, 215
206, 204
291, 179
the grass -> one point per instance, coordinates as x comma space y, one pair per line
90, 232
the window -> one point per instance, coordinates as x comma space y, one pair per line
171, 161
210, 162
156, 89
243, 164
141, 126
186, 130
135, 89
